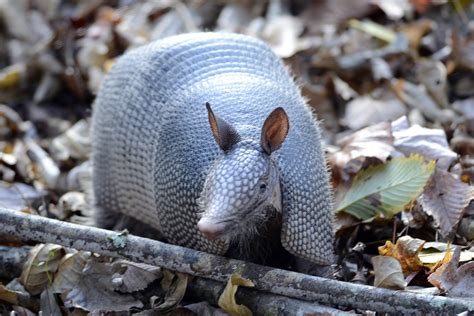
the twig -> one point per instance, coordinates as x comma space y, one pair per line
199, 290
260, 303
276, 281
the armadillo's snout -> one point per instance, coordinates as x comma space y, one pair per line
211, 228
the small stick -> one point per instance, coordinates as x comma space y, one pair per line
276, 281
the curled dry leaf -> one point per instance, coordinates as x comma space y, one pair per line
7, 295
227, 299
48, 170
455, 281
435, 251
282, 34
430, 143
132, 276
42, 264
68, 204
388, 273
175, 284
386, 189
85, 282
371, 142
447, 256
445, 199
75, 143
406, 251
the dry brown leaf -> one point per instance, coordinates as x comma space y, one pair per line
85, 282
448, 255
430, 143
175, 284
455, 281
388, 273
371, 142
7, 295
406, 251
368, 110
133, 276
445, 198
39, 269
435, 253
227, 299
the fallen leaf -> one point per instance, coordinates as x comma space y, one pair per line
445, 199
227, 299
87, 283
415, 97
465, 107
371, 142
175, 284
133, 276
282, 34
430, 143
406, 251
19, 196
10, 76
447, 256
8, 296
40, 267
433, 75
388, 273
435, 252
48, 303
455, 281
386, 189
367, 110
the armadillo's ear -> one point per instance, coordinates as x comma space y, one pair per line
225, 134
274, 130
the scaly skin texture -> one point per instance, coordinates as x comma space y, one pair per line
153, 147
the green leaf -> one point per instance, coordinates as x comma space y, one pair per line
386, 189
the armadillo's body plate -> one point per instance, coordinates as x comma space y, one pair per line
153, 147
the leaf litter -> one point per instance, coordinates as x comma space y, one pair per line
392, 80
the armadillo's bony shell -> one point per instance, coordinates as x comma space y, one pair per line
152, 145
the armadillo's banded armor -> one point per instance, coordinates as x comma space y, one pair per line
152, 145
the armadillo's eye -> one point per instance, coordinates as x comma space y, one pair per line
263, 186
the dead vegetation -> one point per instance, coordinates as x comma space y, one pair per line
392, 82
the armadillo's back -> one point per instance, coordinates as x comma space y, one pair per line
152, 145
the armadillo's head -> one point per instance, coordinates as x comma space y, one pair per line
243, 185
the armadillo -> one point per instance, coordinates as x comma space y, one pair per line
206, 139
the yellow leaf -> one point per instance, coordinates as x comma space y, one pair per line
7, 295
440, 265
10, 76
406, 251
227, 299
